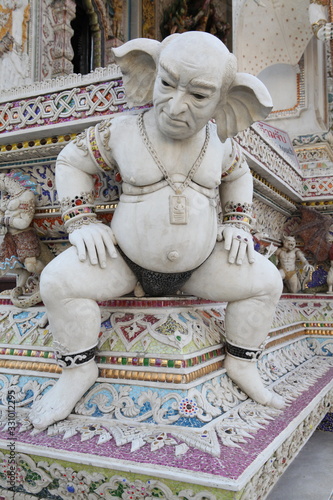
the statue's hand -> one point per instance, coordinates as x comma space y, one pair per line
94, 241
238, 243
308, 267
325, 32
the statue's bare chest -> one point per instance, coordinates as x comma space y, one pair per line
140, 165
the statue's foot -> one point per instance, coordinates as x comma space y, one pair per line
59, 401
245, 374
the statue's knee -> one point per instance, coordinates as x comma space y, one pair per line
52, 283
274, 281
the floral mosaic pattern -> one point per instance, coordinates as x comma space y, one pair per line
126, 414
66, 483
49, 478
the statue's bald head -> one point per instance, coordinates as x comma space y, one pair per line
203, 51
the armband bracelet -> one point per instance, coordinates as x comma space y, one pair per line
236, 159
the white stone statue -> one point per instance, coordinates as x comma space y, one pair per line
21, 252
164, 232
287, 257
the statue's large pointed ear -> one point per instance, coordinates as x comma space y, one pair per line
138, 61
247, 101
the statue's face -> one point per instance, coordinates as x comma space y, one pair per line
186, 92
289, 243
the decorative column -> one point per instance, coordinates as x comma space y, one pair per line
63, 14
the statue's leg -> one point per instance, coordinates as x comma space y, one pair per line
70, 289
252, 292
294, 284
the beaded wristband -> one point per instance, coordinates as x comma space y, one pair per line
84, 198
78, 210
82, 221
238, 215
85, 210
231, 206
238, 220
235, 216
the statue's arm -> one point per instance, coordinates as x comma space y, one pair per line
76, 164
236, 193
300, 256
20, 211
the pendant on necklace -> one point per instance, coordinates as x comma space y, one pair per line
178, 206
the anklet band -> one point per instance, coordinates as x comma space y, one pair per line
74, 359
243, 353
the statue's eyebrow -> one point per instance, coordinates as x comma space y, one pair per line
171, 72
204, 84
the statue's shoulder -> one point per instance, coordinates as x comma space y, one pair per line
123, 123
123, 120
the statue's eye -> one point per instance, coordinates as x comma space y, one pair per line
165, 84
199, 96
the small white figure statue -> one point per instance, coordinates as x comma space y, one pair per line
287, 256
21, 252
318, 16
164, 232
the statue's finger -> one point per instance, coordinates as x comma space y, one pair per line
80, 247
110, 247
234, 249
91, 249
101, 252
227, 235
250, 252
241, 252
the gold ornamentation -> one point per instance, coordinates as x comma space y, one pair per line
172, 378
29, 365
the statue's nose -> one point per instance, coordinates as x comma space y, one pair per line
177, 103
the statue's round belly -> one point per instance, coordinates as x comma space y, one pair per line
157, 232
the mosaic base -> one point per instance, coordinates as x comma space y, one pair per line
139, 436
164, 467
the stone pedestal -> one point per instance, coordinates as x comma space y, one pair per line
163, 419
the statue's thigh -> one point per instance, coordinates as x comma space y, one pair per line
217, 279
75, 279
